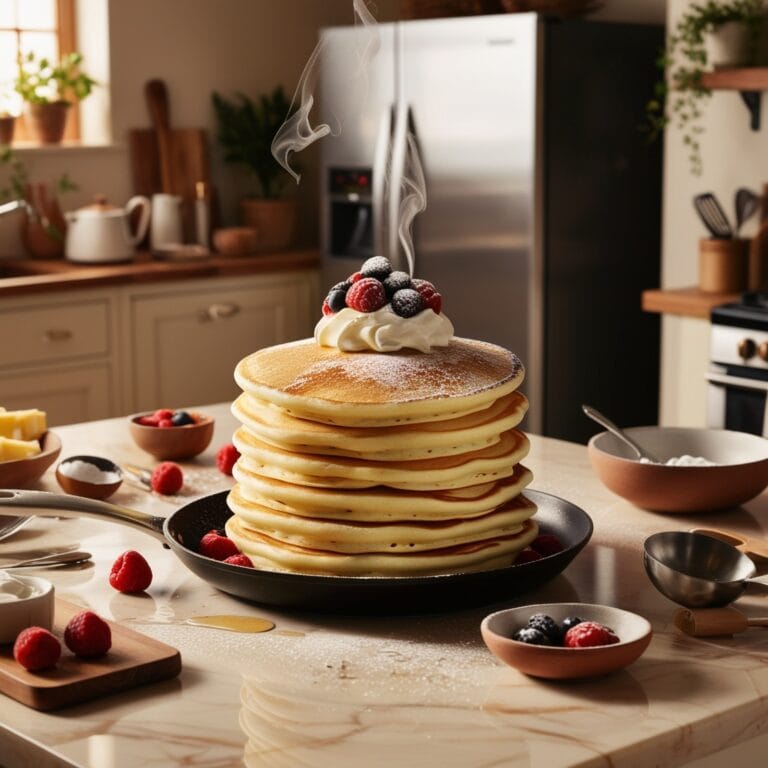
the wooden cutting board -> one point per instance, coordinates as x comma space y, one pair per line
134, 659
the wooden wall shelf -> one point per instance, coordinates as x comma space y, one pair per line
689, 302
750, 82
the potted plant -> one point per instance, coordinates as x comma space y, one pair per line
245, 132
48, 90
699, 37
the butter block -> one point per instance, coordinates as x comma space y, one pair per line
11, 449
22, 425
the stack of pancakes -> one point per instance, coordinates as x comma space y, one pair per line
396, 464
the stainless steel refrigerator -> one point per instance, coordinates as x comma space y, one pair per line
542, 224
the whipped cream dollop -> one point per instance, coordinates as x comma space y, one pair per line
383, 330
13, 589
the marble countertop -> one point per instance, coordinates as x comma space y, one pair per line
323, 690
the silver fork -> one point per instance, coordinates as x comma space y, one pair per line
9, 525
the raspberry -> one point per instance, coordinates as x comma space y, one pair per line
528, 555
239, 559
165, 423
354, 277
407, 302
36, 648
531, 636
130, 573
162, 413
547, 626
547, 544
167, 478
326, 309
377, 266
226, 458
147, 421
366, 295
88, 635
219, 547
587, 634
432, 299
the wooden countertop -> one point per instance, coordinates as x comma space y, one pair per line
25, 276
690, 302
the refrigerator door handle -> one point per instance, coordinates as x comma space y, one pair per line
399, 155
381, 158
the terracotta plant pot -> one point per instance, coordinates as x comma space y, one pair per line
7, 124
43, 228
46, 122
275, 221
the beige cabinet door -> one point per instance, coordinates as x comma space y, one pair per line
186, 342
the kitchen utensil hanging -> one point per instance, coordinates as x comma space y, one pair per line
713, 215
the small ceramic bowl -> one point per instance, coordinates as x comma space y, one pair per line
173, 442
33, 611
560, 663
740, 472
20, 473
102, 488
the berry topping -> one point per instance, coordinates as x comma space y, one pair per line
165, 423
547, 544
130, 573
181, 419
88, 635
326, 309
147, 421
547, 626
226, 458
407, 302
219, 547
167, 478
366, 295
165, 417
432, 299
354, 277
587, 634
377, 266
239, 559
396, 281
528, 555
531, 636
162, 413
570, 621
336, 300
36, 648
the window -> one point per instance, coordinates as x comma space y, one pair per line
45, 27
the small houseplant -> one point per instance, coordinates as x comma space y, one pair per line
245, 132
48, 90
680, 94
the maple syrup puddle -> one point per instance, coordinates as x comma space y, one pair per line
233, 623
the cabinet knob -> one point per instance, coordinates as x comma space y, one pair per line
219, 312
54, 335
762, 351
746, 348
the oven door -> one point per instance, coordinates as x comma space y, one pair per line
736, 399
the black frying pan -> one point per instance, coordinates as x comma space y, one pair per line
183, 529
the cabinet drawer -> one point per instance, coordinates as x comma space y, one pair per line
45, 334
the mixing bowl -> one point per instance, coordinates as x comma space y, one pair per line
740, 470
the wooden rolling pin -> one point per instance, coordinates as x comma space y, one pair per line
714, 622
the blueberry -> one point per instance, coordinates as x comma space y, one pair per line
344, 285
407, 302
570, 621
336, 299
531, 636
377, 266
181, 418
396, 281
547, 626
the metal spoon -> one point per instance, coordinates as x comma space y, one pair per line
69, 557
604, 421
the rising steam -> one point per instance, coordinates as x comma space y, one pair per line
414, 199
297, 133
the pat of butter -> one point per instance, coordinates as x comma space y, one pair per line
13, 589
22, 425
11, 449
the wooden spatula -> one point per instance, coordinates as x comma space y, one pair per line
156, 95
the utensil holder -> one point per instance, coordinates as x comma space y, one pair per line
723, 265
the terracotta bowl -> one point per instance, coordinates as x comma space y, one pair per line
559, 663
90, 490
173, 442
20, 473
740, 472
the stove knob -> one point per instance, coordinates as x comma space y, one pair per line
762, 351
746, 349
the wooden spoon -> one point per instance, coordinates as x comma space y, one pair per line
713, 622
749, 545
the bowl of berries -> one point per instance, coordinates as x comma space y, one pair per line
171, 434
566, 641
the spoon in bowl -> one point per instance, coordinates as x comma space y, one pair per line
604, 421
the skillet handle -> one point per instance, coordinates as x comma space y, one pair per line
27, 503
749, 545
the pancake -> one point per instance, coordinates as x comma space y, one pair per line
370, 389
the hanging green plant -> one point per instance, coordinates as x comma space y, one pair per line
680, 94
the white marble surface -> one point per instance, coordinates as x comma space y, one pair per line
412, 691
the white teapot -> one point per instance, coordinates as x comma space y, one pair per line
100, 233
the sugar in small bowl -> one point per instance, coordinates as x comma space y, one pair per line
92, 476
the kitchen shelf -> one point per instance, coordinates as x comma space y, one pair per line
750, 82
690, 302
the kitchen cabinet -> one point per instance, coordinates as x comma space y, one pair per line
186, 342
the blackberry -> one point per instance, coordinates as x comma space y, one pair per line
547, 626
531, 636
396, 281
377, 266
407, 302
570, 621
336, 299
